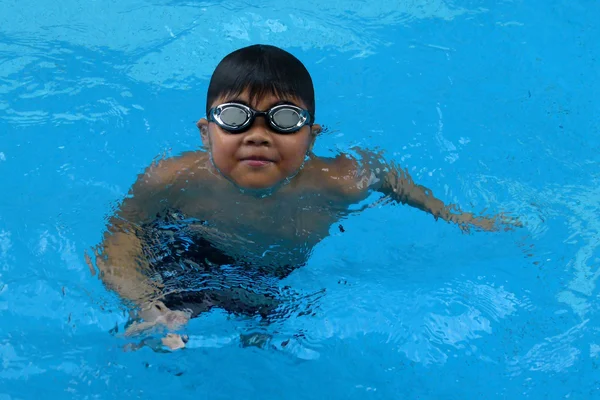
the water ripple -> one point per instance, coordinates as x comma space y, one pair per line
420, 324
176, 41
554, 354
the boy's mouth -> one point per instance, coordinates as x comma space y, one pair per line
256, 161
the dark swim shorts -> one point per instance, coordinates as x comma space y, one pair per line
197, 276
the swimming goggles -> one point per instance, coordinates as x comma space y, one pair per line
237, 117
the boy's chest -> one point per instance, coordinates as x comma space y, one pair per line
301, 219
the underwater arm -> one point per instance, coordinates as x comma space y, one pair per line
375, 173
120, 260
122, 257
399, 185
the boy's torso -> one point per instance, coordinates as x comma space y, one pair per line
279, 229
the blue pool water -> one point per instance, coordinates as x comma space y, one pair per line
492, 104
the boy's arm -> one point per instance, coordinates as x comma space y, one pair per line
121, 257
373, 173
398, 184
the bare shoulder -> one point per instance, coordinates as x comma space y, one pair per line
169, 170
159, 184
341, 174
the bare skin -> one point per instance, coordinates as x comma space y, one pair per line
296, 216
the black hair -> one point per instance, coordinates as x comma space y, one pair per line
261, 69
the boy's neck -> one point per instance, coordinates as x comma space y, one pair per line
256, 193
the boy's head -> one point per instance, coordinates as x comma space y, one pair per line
259, 150
261, 70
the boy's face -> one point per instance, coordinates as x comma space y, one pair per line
258, 158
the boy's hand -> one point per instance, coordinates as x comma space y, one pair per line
157, 315
509, 222
174, 341
467, 220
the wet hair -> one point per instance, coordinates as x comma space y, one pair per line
262, 70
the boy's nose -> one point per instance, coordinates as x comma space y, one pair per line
258, 134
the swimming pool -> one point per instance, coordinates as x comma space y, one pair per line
489, 104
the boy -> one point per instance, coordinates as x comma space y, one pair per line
218, 228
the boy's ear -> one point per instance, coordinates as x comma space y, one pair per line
315, 129
202, 125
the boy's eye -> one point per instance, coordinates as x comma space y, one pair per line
286, 118
234, 116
